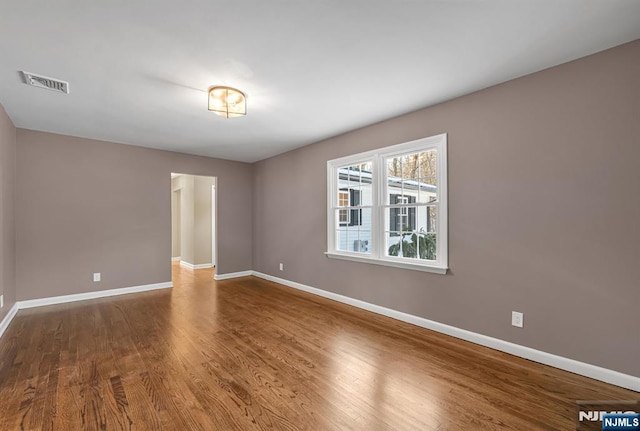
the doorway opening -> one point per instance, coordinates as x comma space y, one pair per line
193, 221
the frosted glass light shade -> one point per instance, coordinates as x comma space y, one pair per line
227, 102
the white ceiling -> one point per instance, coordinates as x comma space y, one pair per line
138, 70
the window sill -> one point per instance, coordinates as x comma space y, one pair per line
388, 262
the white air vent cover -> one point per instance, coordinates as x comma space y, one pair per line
45, 82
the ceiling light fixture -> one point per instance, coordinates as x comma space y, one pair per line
227, 102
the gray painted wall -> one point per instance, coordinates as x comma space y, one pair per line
543, 214
117, 220
7, 212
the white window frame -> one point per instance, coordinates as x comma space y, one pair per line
378, 254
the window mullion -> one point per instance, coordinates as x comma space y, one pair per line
376, 221
331, 222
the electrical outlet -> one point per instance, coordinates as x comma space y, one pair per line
517, 319
1, 301
282, 267
96, 276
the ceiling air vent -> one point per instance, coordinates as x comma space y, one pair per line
44, 82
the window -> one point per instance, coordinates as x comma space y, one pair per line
389, 206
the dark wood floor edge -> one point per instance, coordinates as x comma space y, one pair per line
584, 369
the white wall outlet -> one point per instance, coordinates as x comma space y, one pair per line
1, 301
517, 319
282, 267
96, 276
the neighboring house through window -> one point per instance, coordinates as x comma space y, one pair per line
343, 202
355, 216
389, 206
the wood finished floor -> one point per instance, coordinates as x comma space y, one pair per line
247, 354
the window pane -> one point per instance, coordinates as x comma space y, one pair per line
365, 218
343, 198
341, 239
411, 232
394, 195
343, 217
364, 244
411, 178
413, 174
342, 176
394, 179
354, 239
410, 167
402, 218
355, 186
366, 194
423, 239
402, 244
392, 240
365, 170
394, 167
428, 167
346, 238
411, 218
353, 217
366, 186
394, 217
427, 193
426, 219
427, 246
354, 177
411, 245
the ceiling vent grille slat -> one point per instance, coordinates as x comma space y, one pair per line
46, 82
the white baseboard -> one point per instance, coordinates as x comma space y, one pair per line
31, 303
91, 295
192, 266
232, 275
8, 318
174, 259
571, 365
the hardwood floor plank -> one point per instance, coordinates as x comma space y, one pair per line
249, 354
